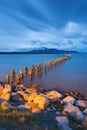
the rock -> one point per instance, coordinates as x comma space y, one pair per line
81, 103
85, 111
63, 123
53, 95
75, 111
49, 109
7, 89
68, 99
23, 107
85, 122
24, 95
1, 89
36, 110
5, 105
66, 94
31, 90
64, 113
79, 127
5, 97
38, 101
20, 87
16, 97
58, 113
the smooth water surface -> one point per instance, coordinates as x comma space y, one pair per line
70, 75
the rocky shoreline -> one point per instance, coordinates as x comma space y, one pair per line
70, 108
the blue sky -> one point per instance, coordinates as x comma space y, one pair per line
60, 24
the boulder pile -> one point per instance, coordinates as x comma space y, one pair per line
70, 108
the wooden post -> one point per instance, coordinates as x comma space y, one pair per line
7, 78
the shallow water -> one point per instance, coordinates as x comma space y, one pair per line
70, 75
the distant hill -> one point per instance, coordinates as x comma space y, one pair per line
42, 50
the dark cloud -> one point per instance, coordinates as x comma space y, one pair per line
49, 23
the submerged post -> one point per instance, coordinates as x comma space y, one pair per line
7, 78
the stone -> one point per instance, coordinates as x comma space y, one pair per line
5, 105
36, 110
20, 87
68, 99
16, 97
1, 89
85, 111
7, 89
81, 103
31, 90
63, 123
64, 113
58, 113
85, 122
53, 95
75, 111
38, 101
23, 107
5, 97
24, 95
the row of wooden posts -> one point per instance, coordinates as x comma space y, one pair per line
31, 71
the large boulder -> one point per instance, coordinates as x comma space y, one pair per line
63, 123
75, 111
81, 103
6, 89
5, 97
68, 99
53, 95
38, 101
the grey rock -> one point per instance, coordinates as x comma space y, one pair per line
63, 123
75, 111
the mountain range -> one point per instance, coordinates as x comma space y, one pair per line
42, 50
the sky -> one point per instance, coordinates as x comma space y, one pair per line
60, 24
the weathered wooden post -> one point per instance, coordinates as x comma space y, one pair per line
25, 69
21, 73
30, 73
7, 78
13, 73
18, 80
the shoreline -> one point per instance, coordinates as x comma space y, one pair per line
17, 101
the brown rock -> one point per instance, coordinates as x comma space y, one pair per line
53, 95
85, 122
5, 97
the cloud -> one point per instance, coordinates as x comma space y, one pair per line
43, 23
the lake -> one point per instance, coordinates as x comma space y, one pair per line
67, 76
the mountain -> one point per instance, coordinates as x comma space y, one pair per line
42, 50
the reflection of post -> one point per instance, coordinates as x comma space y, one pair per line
13, 73
33, 69
30, 71
26, 69
45, 66
21, 73
7, 78
18, 79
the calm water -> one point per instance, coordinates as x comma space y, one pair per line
70, 75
